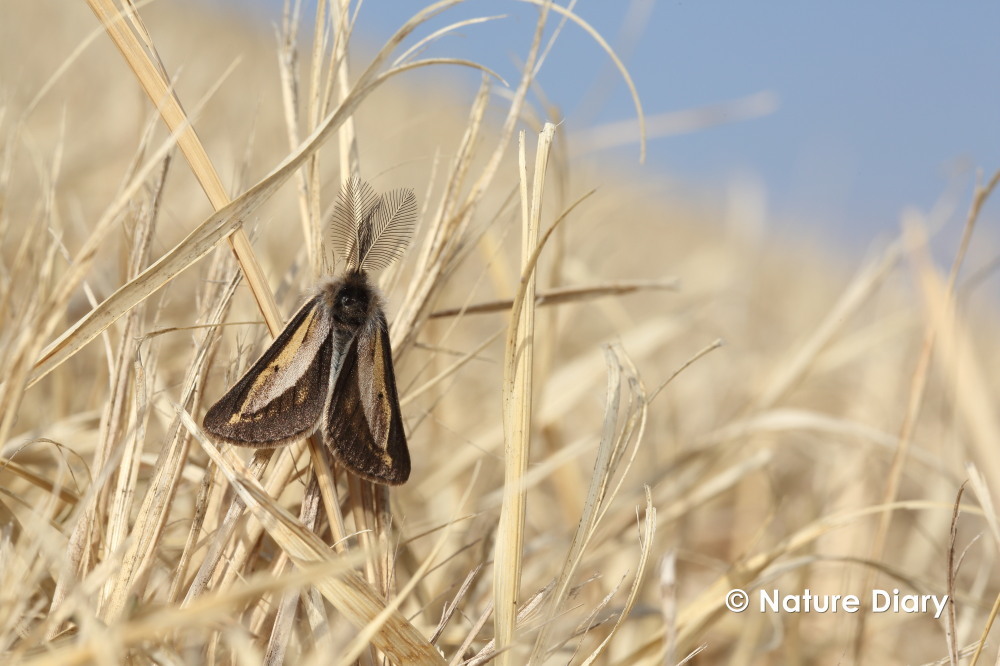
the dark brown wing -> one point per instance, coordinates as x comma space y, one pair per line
364, 428
281, 398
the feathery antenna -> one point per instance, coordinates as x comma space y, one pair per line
371, 230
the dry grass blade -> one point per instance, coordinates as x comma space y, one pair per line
526, 614
596, 36
84, 260
288, 72
941, 320
711, 601
953, 566
62, 493
209, 609
452, 220
349, 594
958, 360
220, 540
668, 605
198, 243
150, 74
562, 295
452, 606
605, 466
673, 123
148, 526
447, 224
461, 62
281, 630
566, 388
982, 493
280, 472
861, 289
118, 411
449, 371
441, 32
646, 543
476, 628
368, 633
517, 410
717, 485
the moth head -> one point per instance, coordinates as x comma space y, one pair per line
352, 299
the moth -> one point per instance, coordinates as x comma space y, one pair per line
331, 367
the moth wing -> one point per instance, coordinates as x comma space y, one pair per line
364, 428
281, 398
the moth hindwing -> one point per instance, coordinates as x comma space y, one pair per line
332, 364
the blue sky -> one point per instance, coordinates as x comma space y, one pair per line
880, 105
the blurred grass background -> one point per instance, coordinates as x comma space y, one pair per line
822, 446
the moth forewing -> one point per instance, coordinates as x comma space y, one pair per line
363, 425
282, 396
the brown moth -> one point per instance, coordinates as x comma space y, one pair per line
331, 367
